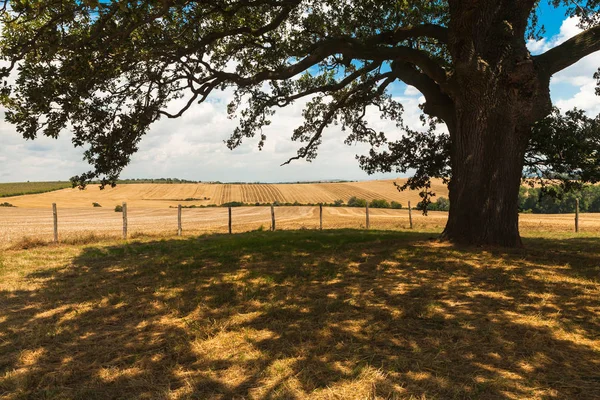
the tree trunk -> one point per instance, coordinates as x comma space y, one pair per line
486, 175
497, 95
488, 143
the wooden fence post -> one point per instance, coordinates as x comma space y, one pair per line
410, 215
230, 219
367, 208
272, 218
55, 218
179, 220
124, 221
321, 216
576, 215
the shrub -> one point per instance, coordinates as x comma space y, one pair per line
442, 204
379, 204
356, 202
5, 204
234, 204
338, 203
119, 208
396, 205
96, 204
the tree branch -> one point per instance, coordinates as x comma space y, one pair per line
438, 104
351, 49
568, 53
426, 30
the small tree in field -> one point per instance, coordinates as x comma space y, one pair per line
356, 202
108, 69
379, 203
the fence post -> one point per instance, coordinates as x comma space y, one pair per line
229, 219
367, 208
321, 216
410, 215
55, 218
272, 218
576, 215
124, 221
179, 220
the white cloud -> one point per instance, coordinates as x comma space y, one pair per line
574, 86
411, 91
568, 29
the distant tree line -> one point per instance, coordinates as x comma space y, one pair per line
352, 202
555, 200
155, 180
548, 200
441, 204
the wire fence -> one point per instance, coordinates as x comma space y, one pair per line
58, 224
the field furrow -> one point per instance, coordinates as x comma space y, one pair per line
149, 195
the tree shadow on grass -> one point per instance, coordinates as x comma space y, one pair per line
338, 314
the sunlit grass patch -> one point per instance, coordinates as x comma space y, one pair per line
335, 314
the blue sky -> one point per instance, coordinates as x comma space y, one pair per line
192, 147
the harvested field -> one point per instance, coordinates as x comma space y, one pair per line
343, 314
148, 195
17, 224
152, 212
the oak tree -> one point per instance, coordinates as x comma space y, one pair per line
108, 69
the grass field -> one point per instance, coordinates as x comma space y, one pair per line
301, 315
22, 188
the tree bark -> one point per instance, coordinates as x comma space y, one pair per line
498, 92
486, 175
494, 113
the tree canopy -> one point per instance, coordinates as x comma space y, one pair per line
108, 69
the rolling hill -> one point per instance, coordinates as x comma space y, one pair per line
149, 195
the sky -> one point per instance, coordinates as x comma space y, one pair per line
192, 147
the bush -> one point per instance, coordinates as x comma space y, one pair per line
356, 202
442, 204
5, 204
96, 204
234, 204
379, 204
119, 208
338, 203
396, 205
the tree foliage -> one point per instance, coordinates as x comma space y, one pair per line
554, 199
564, 149
106, 70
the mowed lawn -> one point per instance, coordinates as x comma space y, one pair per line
301, 314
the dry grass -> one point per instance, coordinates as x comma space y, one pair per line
301, 314
20, 224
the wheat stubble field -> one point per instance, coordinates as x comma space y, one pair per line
150, 195
152, 212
